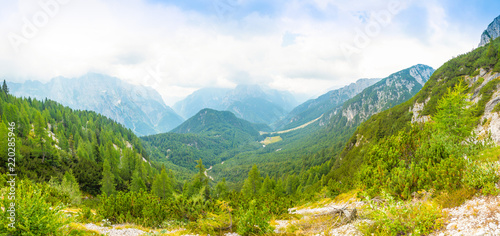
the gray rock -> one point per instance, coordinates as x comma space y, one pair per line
491, 33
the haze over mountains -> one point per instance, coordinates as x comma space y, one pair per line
139, 108
250, 102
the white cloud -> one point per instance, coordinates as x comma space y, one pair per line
178, 51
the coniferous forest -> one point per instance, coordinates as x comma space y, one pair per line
400, 157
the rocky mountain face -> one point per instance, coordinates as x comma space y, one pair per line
314, 108
137, 107
383, 95
492, 32
249, 102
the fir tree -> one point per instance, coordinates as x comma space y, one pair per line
162, 185
137, 182
5, 89
253, 183
108, 180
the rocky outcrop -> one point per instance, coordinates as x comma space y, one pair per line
383, 95
492, 32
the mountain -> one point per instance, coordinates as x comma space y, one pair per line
322, 140
137, 107
479, 69
492, 32
210, 135
209, 121
383, 95
314, 108
249, 102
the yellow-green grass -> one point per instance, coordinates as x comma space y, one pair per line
270, 140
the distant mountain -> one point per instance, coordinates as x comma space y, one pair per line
137, 107
492, 32
210, 135
212, 122
383, 95
314, 108
249, 102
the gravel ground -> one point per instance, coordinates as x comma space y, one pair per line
478, 216
112, 231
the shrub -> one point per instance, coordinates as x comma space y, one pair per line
403, 218
454, 198
34, 215
254, 220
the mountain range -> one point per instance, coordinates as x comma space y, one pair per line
250, 102
139, 108
314, 108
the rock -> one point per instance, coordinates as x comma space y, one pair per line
492, 32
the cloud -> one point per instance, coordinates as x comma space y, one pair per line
178, 47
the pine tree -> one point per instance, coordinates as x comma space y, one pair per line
453, 118
162, 185
137, 183
267, 186
221, 189
108, 179
5, 89
70, 185
253, 183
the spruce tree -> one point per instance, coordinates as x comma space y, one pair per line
108, 179
5, 89
162, 185
253, 183
137, 182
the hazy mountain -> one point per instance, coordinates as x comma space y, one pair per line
249, 102
492, 32
137, 107
314, 108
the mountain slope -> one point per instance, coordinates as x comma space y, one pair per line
492, 32
249, 102
480, 69
315, 144
212, 136
385, 94
139, 108
314, 108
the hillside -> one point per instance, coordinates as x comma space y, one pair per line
314, 108
322, 140
212, 136
139, 108
478, 69
249, 102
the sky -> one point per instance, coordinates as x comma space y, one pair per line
306, 47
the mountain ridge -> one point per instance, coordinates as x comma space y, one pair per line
139, 108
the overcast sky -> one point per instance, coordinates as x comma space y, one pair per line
179, 46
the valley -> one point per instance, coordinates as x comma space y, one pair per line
412, 151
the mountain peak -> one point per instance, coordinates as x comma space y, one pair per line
492, 32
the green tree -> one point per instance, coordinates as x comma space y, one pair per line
162, 185
137, 183
253, 183
453, 117
108, 179
70, 186
5, 89
221, 189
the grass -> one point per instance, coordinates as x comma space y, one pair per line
271, 140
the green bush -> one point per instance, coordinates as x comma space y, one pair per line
33, 214
254, 220
478, 175
402, 218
